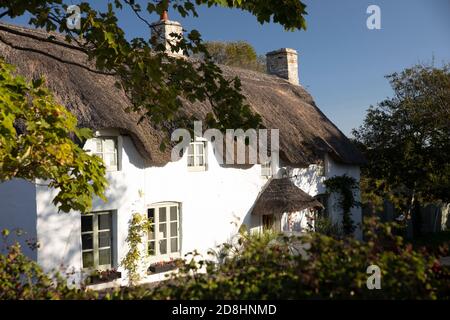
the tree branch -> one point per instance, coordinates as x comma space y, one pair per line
4, 13
34, 37
45, 53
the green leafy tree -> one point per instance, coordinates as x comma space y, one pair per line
237, 54
35, 143
406, 139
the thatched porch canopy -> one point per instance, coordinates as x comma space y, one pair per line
282, 195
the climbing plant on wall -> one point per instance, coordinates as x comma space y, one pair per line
137, 230
344, 186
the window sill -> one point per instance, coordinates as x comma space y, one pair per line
197, 169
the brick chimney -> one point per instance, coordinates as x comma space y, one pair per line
283, 63
162, 30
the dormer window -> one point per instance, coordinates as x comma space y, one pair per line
196, 156
266, 169
106, 148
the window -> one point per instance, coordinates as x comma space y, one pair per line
164, 237
266, 169
271, 222
106, 148
197, 156
96, 240
268, 221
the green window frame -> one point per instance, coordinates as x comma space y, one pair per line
164, 239
97, 240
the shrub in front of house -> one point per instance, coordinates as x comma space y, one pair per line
23, 279
267, 266
315, 266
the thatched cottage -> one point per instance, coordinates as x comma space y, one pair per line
191, 209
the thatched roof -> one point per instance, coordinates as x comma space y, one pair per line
306, 134
282, 195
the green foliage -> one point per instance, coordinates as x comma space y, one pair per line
344, 186
138, 228
325, 226
21, 278
406, 139
236, 54
265, 268
35, 143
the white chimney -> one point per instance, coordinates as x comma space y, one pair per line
283, 63
162, 30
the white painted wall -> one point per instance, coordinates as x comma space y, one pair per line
18, 211
214, 204
332, 168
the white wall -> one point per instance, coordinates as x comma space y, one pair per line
214, 204
309, 179
18, 211
332, 168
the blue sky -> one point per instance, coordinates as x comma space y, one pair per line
341, 62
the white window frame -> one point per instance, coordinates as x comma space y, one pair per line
102, 153
95, 241
158, 236
266, 169
195, 156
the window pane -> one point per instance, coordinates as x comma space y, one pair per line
173, 229
151, 233
173, 213
104, 221
174, 245
199, 148
109, 145
88, 259
86, 241
163, 246
163, 230
104, 256
86, 223
190, 150
162, 214
151, 215
110, 160
151, 248
200, 161
104, 239
98, 145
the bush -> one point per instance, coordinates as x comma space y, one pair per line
22, 278
314, 266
